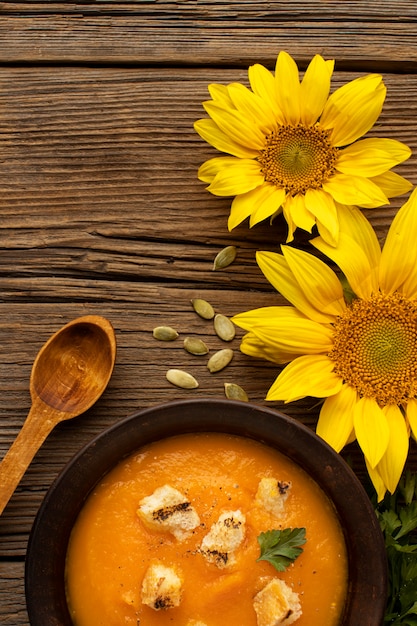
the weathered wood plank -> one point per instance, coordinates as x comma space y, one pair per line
377, 11
12, 599
191, 33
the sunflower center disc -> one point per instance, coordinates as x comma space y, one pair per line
375, 348
298, 158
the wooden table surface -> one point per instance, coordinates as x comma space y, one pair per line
101, 211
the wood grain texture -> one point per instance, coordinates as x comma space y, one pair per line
102, 212
12, 599
193, 32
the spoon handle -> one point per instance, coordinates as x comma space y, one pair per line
37, 426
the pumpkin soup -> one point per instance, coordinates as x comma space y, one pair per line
171, 537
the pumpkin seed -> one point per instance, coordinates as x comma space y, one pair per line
219, 360
165, 333
224, 327
225, 257
196, 346
203, 308
182, 379
235, 392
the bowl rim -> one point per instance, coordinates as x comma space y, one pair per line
45, 556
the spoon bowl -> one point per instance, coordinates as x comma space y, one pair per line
69, 374
74, 366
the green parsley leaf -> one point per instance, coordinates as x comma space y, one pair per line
397, 515
408, 517
281, 547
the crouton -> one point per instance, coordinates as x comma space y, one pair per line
167, 509
224, 537
161, 587
272, 495
277, 604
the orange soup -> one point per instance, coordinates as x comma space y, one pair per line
117, 551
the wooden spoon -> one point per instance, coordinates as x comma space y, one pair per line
69, 374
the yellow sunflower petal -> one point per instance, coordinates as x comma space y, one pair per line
371, 157
210, 132
276, 269
354, 224
371, 429
236, 125
295, 335
353, 262
253, 107
325, 234
352, 437
409, 286
300, 215
358, 252
262, 83
292, 227
220, 94
392, 463
353, 109
288, 90
315, 88
268, 204
392, 184
377, 481
266, 314
242, 205
318, 282
262, 202
308, 375
238, 178
411, 413
251, 346
399, 254
348, 189
208, 170
335, 423
322, 206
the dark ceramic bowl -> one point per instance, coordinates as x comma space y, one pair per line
45, 562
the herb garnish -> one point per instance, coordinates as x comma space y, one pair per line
281, 547
397, 515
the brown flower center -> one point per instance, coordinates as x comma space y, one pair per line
375, 348
298, 158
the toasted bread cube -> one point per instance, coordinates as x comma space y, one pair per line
167, 509
272, 495
224, 537
161, 587
195, 622
277, 604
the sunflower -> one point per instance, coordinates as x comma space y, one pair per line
295, 149
360, 352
